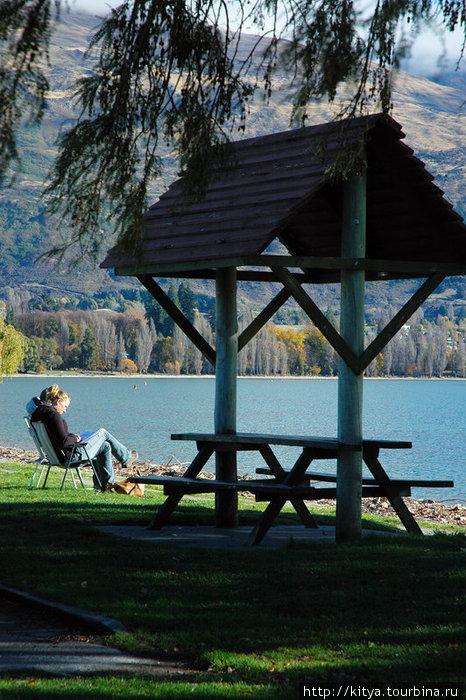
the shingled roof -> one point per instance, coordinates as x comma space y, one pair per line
276, 189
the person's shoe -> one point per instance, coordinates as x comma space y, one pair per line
133, 457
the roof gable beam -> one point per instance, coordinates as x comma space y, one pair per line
382, 268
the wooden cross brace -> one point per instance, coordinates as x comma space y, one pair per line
356, 364
292, 288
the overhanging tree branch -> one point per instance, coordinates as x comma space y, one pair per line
168, 75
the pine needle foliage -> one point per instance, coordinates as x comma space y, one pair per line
25, 29
169, 77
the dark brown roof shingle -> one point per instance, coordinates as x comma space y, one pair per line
276, 188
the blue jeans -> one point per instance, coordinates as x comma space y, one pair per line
100, 448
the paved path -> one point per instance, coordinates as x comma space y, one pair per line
39, 640
39, 635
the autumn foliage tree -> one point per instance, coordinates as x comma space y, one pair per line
12, 348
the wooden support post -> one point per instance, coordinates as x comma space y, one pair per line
349, 465
393, 494
226, 503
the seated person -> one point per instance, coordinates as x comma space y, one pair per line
101, 445
45, 397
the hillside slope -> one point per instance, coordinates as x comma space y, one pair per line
430, 113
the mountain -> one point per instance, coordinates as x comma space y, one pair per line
430, 112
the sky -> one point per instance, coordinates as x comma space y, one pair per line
425, 53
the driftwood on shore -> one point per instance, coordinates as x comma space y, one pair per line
440, 512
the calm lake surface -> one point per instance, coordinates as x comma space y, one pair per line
143, 412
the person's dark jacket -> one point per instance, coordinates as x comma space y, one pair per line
56, 427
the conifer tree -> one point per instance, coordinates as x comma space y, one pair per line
187, 300
89, 350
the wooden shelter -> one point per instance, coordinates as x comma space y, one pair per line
388, 220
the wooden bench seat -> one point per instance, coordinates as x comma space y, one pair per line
263, 490
414, 483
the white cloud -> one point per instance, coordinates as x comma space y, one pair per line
424, 60
95, 7
435, 52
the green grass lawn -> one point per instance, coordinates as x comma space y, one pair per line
250, 623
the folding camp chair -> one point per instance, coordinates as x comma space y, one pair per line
41, 462
48, 457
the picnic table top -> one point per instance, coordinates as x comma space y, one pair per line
330, 443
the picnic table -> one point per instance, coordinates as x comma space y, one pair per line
280, 484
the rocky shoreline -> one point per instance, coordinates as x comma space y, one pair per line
435, 511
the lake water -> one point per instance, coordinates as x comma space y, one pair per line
143, 412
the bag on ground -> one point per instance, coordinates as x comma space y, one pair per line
128, 488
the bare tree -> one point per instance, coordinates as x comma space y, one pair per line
458, 359
82, 329
180, 348
264, 356
121, 350
144, 345
439, 347
199, 362
282, 359
371, 370
152, 331
244, 319
18, 300
63, 334
106, 336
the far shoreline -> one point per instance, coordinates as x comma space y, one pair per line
118, 375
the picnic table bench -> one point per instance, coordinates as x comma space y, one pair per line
283, 485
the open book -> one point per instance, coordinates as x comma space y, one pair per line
86, 435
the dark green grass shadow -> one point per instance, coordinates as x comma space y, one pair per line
383, 608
